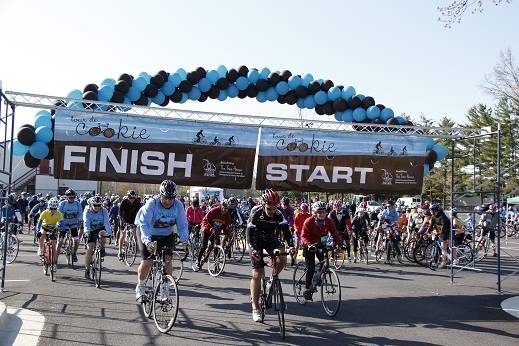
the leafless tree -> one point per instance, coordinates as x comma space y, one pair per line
504, 82
453, 12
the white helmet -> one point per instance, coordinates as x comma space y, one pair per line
320, 205
53, 203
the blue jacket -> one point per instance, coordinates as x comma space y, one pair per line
154, 219
37, 209
391, 216
72, 214
95, 221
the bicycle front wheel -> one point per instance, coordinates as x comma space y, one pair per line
13, 246
216, 261
330, 292
338, 258
130, 252
165, 304
279, 306
178, 266
238, 248
97, 271
298, 282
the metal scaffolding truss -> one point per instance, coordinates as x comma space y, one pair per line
22, 99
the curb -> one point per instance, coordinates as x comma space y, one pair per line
511, 306
3, 314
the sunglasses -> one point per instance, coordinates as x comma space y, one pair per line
167, 198
321, 211
96, 206
53, 208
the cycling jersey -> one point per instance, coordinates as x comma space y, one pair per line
72, 214
299, 221
37, 209
215, 220
440, 222
314, 229
288, 214
157, 220
391, 215
194, 215
261, 229
128, 210
236, 216
342, 220
359, 225
96, 221
48, 219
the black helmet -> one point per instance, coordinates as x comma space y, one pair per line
132, 193
11, 199
233, 202
70, 192
286, 201
168, 189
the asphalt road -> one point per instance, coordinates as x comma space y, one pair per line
382, 305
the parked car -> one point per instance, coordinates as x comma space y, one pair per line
373, 205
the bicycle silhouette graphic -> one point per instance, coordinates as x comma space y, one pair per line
107, 131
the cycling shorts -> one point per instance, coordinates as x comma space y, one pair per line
269, 246
166, 242
73, 233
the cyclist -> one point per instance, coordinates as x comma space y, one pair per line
342, 219
314, 228
194, 214
300, 219
127, 215
48, 221
217, 219
441, 222
72, 217
199, 136
96, 223
488, 223
264, 222
23, 203
156, 221
359, 227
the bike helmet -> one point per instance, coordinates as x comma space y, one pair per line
270, 197
233, 202
53, 203
168, 189
360, 210
132, 193
70, 192
95, 201
320, 205
105, 203
225, 203
345, 205
434, 206
11, 199
41, 200
196, 203
304, 207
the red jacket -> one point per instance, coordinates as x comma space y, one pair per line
194, 216
312, 232
299, 221
214, 219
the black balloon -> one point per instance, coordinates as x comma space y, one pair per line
142, 101
193, 77
285, 75
319, 109
291, 97
232, 75
326, 85
201, 72
176, 96
91, 87
164, 75
117, 97
242, 94
127, 78
90, 95
251, 91
185, 86
314, 87
340, 105
368, 102
213, 92
151, 90
50, 155
262, 85
430, 157
301, 91
392, 121
274, 78
26, 135
243, 71
203, 97
59, 103
222, 83
381, 107
157, 80
31, 161
165, 103
408, 123
354, 102
340, 87
328, 108
122, 86
282, 99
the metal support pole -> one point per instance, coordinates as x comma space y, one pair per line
498, 201
451, 242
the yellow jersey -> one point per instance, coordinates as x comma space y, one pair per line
48, 219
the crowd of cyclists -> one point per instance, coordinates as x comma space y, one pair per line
272, 224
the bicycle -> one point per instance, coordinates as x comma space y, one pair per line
194, 244
96, 264
95, 131
363, 249
164, 311
13, 246
325, 277
482, 247
271, 294
236, 244
68, 248
215, 255
129, 251
49, 246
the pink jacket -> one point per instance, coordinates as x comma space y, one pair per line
194, 216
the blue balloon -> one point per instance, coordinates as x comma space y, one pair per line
309, 102
75, 94
294, 82
272, 94
39, 150
75, 105
222, 71
441, 151
159, 98
194, 94
204, 84
338, 116
359, 114
212, 76
347, 116
308, 78
167, 88
175, 79
426, 170
223, 95
264, 73
182, 73
262, 96
105, 93
301, 103
19, 149
334, 93
429, 143
386, 114
42, 120
400, 120
134, 93
43, 113
140, 83
282, 88
321, 97
44, 134
373, 112
146, 77
109, 81
253, 76
348, 92
242, 83
184, 98
232, 91
361, 97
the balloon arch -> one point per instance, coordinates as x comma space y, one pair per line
35, 141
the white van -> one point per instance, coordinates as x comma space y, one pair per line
409, 201
205, 192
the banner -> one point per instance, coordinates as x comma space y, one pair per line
118, 147
324, 161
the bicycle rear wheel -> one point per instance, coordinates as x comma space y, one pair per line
13, 246
408, 250
238, 248
330, 292
165, 311
432, 256
216, 261
279, 305
97, 271
130, 251
338, 258
298, 282
147, 300
464, 254
67, 249
178, 266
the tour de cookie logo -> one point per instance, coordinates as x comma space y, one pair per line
297, 143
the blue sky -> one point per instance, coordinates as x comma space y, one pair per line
395, 51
